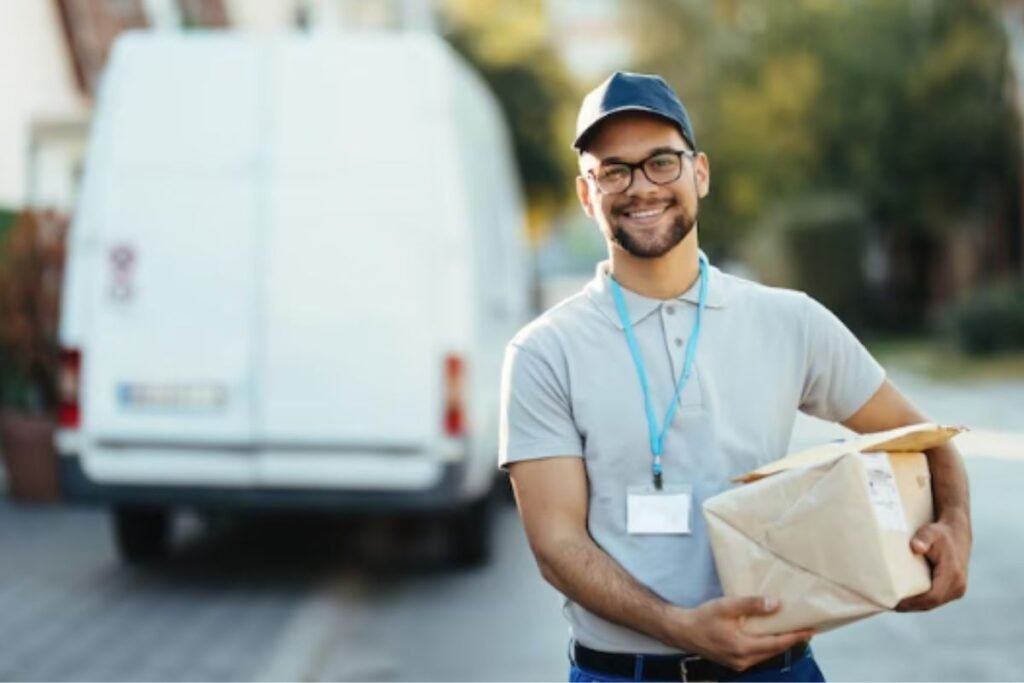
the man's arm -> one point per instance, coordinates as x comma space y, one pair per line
946, 542
552, 497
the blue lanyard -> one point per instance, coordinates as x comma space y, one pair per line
658, 437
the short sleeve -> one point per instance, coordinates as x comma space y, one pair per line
841, 375
536, 414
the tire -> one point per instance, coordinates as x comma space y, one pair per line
142, 534
471, 533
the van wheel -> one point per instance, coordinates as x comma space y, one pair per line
470, 533
142, 533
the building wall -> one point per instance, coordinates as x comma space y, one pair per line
52, 53
36, 81
90, 29
331, 15
267, 15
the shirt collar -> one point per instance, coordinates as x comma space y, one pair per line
600, 292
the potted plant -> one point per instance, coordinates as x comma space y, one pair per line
31, 264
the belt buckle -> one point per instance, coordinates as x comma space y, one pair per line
684, 675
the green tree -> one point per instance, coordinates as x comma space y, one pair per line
508, 44
905, 107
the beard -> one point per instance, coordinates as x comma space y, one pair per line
661, 243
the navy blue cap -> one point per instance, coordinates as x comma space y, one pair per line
624, 91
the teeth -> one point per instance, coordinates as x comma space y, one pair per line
645, 214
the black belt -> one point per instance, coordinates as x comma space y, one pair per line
673, 668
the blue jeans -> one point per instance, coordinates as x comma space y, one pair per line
803, 669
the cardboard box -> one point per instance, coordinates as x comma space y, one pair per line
828, 530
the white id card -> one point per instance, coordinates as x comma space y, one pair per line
653, 511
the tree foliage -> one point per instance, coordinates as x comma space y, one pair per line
509, 45
905, 105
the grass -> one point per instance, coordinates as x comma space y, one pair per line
937, 359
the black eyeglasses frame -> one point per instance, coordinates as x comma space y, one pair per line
633, 166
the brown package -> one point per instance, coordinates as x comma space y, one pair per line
827, 531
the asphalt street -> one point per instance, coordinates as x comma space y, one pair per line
289, 598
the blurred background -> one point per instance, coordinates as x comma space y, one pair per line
867, 151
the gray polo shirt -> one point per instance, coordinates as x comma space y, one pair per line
570, 388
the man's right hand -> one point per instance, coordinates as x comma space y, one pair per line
715, 631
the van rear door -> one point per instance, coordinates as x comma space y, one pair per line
355, 344
171, 350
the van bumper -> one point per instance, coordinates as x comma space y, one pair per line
77, 487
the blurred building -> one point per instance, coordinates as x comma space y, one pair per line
590, 37
89, 28
333, 15
54, 52
39, 88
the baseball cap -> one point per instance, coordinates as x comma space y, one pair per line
624, 91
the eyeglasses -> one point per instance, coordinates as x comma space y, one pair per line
660, 168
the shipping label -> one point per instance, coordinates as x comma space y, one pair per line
883, 492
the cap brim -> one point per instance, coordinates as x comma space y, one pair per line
577, 143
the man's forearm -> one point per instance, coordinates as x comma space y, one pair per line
888, 409
587, 575
949, 485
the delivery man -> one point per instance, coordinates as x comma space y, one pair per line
627, 405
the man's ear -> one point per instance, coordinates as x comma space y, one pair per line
702, 174
583, 194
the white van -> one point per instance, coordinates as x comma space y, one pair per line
291, 275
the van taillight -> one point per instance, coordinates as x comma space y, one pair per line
454, 417
68, 384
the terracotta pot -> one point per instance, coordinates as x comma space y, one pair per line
26, 442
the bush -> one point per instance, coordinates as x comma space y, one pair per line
816, 244
989, 321
31, 263
7, 218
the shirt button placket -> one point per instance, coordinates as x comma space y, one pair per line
673, 338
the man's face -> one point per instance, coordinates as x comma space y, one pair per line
646, 220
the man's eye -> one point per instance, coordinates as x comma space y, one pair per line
613, 173
663, 162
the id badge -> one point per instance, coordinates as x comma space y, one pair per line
653, 511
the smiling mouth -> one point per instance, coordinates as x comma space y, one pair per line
644, 214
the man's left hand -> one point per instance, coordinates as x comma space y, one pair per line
947, 546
